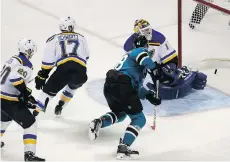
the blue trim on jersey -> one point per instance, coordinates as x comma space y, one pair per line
15, 80
168, 55
157, 37
7, 94
25, 61
46, 63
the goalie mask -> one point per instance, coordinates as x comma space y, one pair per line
143, 27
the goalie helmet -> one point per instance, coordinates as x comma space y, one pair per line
143, 27
27, 47
67, 24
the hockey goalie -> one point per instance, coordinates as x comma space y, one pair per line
175, 82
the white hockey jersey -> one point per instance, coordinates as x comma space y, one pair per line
162, 50
64, 47
16, 70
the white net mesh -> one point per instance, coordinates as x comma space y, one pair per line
207, 45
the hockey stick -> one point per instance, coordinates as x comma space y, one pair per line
31, 80
155, 107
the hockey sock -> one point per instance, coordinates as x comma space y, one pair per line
137, 122
30, 138
111, 118
67, 95
4, 126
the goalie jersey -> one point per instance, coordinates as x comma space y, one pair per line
17, 70
161, 48
64, 47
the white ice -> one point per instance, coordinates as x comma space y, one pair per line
106, 24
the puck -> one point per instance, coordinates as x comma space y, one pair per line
215, 71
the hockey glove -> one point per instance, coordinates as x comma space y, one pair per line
35, 113
155, 73
151, 97
40, 79
26, 99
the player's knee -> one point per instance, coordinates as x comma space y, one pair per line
138, 120
79, 80
28, 122
4, 117
121, 117
48, 91
84, 78
73, 86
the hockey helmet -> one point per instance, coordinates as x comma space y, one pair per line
27, 47
67, 24
143, 27
140, 41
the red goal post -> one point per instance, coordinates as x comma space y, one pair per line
180, 16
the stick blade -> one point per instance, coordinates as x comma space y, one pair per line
153, 127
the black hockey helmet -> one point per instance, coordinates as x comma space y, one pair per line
140, 41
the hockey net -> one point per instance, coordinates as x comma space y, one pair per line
204, 33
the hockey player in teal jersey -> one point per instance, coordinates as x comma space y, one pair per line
123, 90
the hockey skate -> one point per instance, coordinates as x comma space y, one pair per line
125, 153
59, 107
29, 156
2, 144
94, 127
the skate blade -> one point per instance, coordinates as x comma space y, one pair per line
121, 156
92, 134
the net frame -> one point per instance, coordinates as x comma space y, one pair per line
179, 20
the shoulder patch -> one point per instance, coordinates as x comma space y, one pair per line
50, 38
158, 38
19, 59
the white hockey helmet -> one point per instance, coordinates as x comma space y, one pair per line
27, 47
67, 24
143, 27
